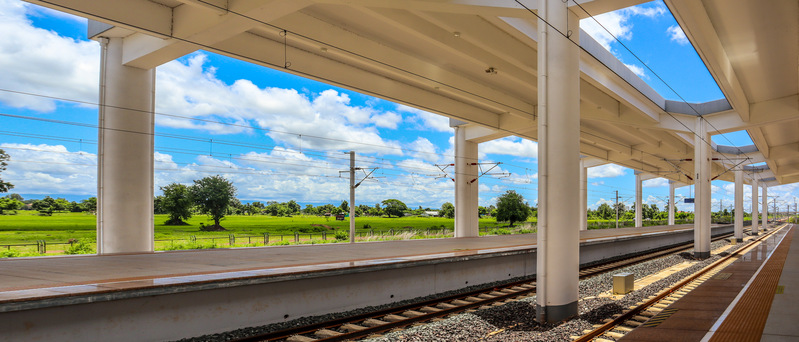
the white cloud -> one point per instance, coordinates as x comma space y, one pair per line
617, 23
38, 61
637, 70
606, 171
50, 169
426, 120
676, 34
512, 146
655, 183
326, 121
425, 150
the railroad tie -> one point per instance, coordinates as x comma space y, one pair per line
459, 302
371, 322
326, 333
300, 338
446, 306
352, 327
429, 309
394, 318
412, 313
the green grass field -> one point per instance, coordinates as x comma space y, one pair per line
28, 227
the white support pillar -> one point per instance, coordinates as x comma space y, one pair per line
702, 182
583, 196
739, 205
639, 218
125, 154
764, 220
755, 203
557, 256
672, 186
466, 183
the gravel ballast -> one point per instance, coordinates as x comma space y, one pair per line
514, 321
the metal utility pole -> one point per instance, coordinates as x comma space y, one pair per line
353, 186
352, 196
617, 209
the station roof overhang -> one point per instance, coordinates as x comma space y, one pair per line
475, 61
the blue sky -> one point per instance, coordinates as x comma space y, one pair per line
284, 137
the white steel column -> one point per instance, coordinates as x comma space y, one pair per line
702, 183
558, 163
639, 218
583, 196
125, 154
672, 186
764, 220
466, 186
755, 203
739, 205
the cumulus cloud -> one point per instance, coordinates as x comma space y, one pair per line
606, 171
617, 23
512, 146
50, 169
39, 61
655, 183
426, 120
676, 34
637, 70
327, 120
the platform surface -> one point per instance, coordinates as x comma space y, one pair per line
45, 277
739, 303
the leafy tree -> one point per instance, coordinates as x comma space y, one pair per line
276, 209
17, 197
448, 210
293, 207
394, 207
4, 186
61, 204
158, 205
511, 208
177, 202
605, 212
376, 211
344, 206
45, 205
309, 210
364, 209
212, 195
7, 203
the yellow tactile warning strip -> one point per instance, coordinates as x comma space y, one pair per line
701, 307
746, 321
659, 318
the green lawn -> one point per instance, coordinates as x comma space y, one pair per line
28, 226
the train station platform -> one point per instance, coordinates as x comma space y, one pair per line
752, 299
190, 293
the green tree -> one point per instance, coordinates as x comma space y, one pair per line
212, 195
394, 207
309, 210
511, 208
8, 203
344, 206
177, 202
447, 210
293, 207
4, 186
605, 212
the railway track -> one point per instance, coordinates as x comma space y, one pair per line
655, 309
374, 324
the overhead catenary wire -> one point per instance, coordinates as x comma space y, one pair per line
299, 72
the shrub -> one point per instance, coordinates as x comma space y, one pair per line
312, 229
80, 247
342, 235
367, 226
279, 243
500, 232
11, 253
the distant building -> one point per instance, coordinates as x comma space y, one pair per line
430, 213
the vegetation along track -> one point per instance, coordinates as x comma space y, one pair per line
378, 322
655, 307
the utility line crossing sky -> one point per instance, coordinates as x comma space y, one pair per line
280, 137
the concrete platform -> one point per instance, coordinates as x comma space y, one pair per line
743, 305
189, 293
